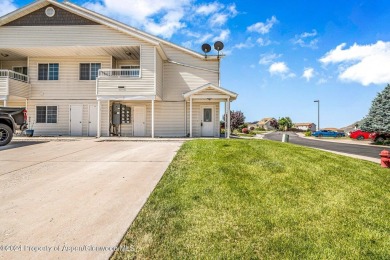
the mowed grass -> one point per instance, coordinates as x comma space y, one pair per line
263, 199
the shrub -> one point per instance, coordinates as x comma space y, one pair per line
307, 133
386, 142
240, 127
252, 128
245, 130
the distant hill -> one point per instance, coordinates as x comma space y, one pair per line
351, 127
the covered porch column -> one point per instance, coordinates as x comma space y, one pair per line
152, 118
98, 132
190, 116
228, 118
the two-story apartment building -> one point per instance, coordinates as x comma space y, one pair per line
83, 74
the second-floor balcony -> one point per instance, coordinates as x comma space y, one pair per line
133, 72
125, 83
13, 84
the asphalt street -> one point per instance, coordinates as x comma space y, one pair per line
362, 150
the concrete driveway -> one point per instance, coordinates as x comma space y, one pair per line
75, 199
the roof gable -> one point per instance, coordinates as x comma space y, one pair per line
103, 20
205, 89
61, 17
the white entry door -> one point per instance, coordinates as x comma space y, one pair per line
207, 123
92, 123
76, 120
139, 121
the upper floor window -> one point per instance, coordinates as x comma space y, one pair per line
48, 71
89, 71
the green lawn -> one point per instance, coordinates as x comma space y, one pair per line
264, 199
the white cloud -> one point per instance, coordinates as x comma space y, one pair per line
6, 6
232, 9
204, 38
263, 28
365, 64
306, 40
207, 9
187, 44
140, 13
218, 19
268, 58
308, 73
263, 42
247, 44
322, 81
223, 36
281, 69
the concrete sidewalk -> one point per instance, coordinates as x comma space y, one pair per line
75, 199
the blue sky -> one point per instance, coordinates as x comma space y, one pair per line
280, 55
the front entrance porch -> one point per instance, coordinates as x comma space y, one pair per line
209, 94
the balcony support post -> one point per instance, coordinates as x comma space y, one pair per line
98, 134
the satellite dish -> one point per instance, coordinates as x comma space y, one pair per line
218, 46
206, 48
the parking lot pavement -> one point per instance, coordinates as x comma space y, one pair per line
72, 200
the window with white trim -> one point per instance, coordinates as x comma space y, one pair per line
46, 114
89, 71
48, 71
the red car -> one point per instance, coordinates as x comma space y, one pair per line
359, 135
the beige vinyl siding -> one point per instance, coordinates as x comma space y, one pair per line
184, 57
76, 35
62, 127
18, 88
127, 130
179, 80
169, 119
159, 75
8, 65
197, 117
120, 63
3, 86
105, 115
14, 102
68, 85
143, 86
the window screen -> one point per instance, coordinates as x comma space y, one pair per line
41, 114
46, 114
48, 71
51, 114
43, 71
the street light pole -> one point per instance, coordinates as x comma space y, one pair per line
318, 126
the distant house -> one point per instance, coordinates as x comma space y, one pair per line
305, 126
266, 123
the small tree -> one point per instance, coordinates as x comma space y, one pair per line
285, 123
237, 118
378, 118
274, 123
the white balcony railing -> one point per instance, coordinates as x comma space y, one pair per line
119, 73
14, 75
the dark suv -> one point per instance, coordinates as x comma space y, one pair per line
379, 137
